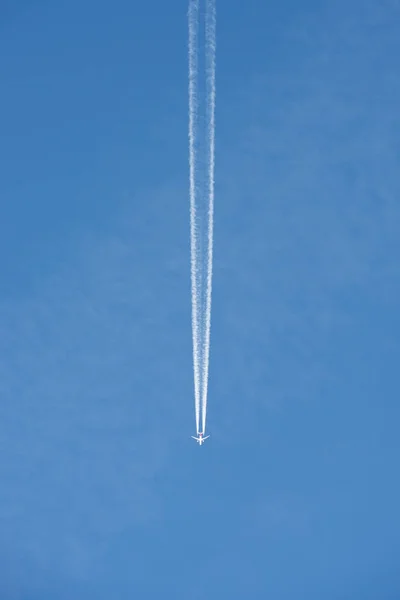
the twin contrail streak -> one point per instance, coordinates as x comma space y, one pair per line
211, 96
201, 198
193, 17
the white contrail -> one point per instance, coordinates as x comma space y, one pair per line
201, 198
211, 98
193, 17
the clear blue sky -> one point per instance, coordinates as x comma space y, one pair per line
102, 492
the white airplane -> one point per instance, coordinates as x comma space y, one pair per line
200, 440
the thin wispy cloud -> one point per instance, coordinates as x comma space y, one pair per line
312, 218
89, 388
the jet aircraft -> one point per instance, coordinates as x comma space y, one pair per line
200, 439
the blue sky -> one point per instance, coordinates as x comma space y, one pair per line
103, 494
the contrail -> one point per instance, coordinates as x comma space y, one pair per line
193, 17
211, 99
201, 146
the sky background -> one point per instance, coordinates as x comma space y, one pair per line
102, 492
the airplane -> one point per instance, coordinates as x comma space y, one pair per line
200, 440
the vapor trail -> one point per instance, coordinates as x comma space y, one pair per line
193, 18
211, 100
202, 141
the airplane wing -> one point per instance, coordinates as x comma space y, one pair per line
200, 440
